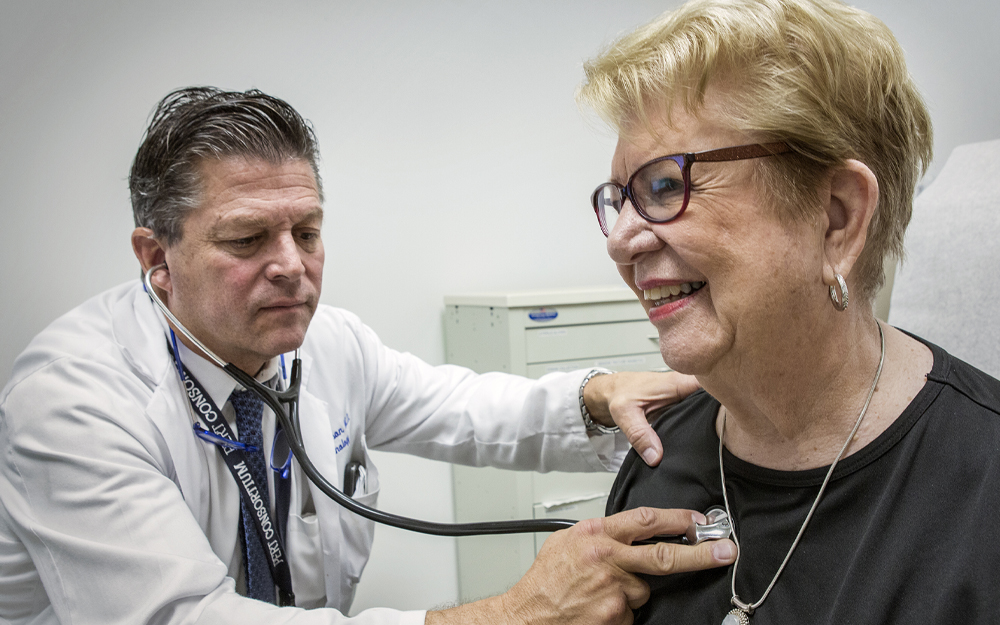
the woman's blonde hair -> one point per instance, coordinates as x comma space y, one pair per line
827, 78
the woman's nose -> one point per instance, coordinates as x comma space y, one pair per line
630, 236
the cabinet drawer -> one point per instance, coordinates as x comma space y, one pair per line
590, 341
582, 314
652, 361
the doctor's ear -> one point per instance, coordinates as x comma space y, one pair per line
850, 206
150, 252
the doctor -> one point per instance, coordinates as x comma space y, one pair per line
115, 511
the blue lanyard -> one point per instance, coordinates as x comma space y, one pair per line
281, 456
222, 436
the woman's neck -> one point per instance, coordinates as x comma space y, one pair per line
793, 409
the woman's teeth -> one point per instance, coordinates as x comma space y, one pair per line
672, 291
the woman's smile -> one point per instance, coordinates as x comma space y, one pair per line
670, 293
663, 301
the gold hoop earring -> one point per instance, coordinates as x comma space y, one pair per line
841, 302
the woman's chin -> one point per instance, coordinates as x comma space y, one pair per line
691, 362
688, 348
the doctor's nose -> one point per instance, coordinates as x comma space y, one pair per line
285, 260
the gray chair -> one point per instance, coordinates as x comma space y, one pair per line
948, 287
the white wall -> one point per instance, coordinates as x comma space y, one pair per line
454, 160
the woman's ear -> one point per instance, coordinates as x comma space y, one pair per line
849, 209
150, 253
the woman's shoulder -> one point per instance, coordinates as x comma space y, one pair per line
686, 412
690, 454
965, 382
684, 428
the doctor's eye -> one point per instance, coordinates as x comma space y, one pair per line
243, 243
308, 238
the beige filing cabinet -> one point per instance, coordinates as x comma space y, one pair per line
531, 334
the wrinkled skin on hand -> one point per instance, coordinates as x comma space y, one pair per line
587, 574
628, 399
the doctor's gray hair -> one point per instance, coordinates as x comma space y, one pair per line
196, 123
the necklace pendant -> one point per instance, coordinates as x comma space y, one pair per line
736, 616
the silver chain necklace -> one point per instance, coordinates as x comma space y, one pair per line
740, 615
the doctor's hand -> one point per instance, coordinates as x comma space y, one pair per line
626, 398
586, 574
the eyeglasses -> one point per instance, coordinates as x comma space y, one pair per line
281, 455
281, 452
660, 189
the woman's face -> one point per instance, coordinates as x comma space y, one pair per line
759, 276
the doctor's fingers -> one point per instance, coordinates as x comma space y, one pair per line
641, 523
631, 419
668, 558
662, 558
639, 397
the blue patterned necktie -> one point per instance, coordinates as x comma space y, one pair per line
249, 409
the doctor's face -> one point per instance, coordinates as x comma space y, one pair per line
245, 276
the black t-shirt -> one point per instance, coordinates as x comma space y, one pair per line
906, 532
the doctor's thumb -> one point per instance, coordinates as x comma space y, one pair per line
647, 444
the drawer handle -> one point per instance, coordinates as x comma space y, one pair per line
550, 505
655, 337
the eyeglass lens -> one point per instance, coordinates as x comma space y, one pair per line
608, 202
657, 189
281, 454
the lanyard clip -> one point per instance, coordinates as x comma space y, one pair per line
222, 441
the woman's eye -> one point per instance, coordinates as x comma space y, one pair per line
661, 186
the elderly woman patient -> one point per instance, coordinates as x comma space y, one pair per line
767, 155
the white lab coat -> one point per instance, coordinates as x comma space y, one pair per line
114, 512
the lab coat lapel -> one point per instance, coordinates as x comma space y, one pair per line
140, 336
317, 436
172, 419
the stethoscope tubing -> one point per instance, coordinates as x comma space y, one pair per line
289, 420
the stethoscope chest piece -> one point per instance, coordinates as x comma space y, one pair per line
716, 527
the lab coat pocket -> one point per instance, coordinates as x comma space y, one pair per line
358, 533
306, 551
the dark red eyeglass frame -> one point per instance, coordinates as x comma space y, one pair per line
684, 162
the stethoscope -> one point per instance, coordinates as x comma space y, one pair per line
285, 404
